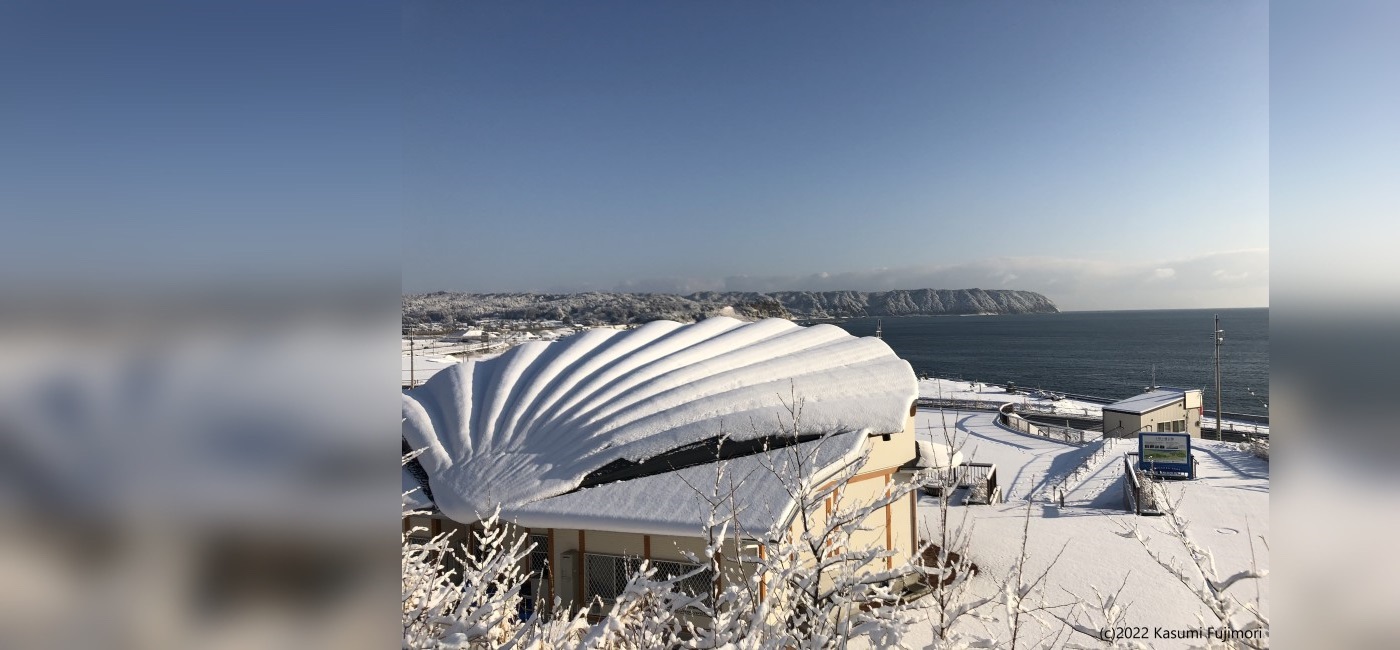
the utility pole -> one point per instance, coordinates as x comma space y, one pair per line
1219, 338
879, 328
411, 382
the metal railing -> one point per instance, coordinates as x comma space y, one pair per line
1009, 418
978, 477
1132, 489
1063, 487
959, 404
1139, 496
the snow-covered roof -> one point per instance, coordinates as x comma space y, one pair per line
675, 503
1149, 401
536, 421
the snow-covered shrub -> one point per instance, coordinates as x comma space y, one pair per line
978, 493
946, 568
1259, 447
1148, 492
472, 600
809, 585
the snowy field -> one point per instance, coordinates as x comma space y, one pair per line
419, 367
1227, 508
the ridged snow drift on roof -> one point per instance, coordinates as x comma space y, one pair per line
533, 422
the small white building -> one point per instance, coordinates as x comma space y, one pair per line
1161, 410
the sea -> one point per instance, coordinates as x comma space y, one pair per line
1104, 354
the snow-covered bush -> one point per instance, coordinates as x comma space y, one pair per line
947, 571
1259, 447
472, 600
1148, 492
810, 585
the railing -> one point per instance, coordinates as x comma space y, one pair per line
1135, 490
1009, 418
1062, 488
1062, 411
977, 477
959, 404
1132, 490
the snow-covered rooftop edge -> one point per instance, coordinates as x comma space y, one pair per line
1148, 401
534, 422
675, 503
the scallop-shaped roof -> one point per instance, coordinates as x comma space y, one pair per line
534, 422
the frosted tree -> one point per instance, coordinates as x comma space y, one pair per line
472, 600
807, 583
804, 583
1203, 579
948, 580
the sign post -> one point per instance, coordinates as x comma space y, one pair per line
1165, 454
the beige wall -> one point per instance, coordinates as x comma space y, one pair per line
1188, 409
1131, 423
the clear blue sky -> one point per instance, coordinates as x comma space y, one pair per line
1113, 152
1110, 154
173, 142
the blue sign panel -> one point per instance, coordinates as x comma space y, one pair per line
1165, 453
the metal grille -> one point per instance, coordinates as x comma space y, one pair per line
539, 556
699, 584
607, 575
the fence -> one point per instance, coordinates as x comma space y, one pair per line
959, 404
1132, 489
1062, 488
979, 478
1008, 417
1138, 488
606, 576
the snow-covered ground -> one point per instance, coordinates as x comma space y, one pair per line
419, 367
1227, 507
994, 396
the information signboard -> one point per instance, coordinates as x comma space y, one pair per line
1165, 453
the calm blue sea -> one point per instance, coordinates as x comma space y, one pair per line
1105, 354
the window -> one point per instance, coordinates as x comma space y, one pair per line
537, 569
607, 575
539, 556
696, 585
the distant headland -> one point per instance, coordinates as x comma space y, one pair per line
453, 309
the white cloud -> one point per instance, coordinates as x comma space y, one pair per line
1226, 276
1164, 273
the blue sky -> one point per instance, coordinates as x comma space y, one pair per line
1115, 154
153, 143
1109, 154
